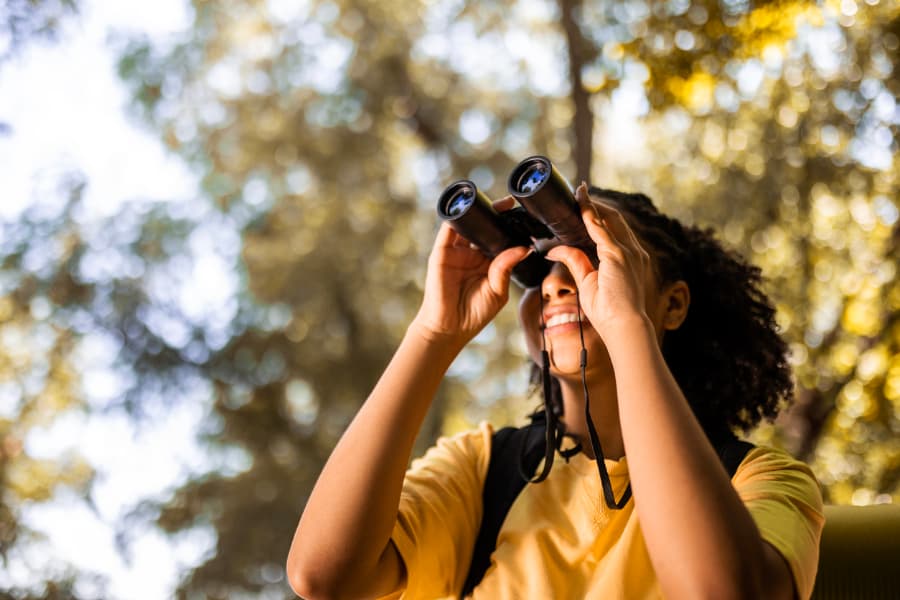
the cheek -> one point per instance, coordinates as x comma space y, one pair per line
530, 322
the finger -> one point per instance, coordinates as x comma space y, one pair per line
501, 267
593, 221
445, 236
601, 234
458, 241
616, 222
583, 195
575, 260
607, 214
448, 239
461, 242
504, 204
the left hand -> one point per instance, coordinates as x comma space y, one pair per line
615, 291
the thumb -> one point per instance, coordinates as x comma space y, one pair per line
574, 259
501, 268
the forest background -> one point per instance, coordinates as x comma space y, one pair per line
267, 300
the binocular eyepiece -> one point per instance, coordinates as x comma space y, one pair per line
547, 210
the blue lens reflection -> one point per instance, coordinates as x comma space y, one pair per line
460, 202
533, 178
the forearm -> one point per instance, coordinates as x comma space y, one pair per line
701, 539
347, 523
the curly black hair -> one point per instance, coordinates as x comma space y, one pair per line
727, 356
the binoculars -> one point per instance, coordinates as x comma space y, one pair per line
547, 211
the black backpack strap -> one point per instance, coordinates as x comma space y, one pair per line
521, 449
512, 448
732, 453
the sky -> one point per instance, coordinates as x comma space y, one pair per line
66, 107
67, 111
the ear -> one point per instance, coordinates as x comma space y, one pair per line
674, 301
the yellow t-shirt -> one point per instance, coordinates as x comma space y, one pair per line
560, 540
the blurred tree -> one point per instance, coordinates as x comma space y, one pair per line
37, 382
38, 385
324, 131
318, 115
87, 324
339, 122
24, 21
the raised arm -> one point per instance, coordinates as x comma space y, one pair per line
342, 548
701, 539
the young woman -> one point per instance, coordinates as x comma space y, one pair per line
681, 349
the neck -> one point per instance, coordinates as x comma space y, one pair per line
604, 414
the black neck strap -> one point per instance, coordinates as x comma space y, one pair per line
555, 430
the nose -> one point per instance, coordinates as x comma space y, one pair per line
558, 283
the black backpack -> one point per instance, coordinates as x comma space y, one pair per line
519, 448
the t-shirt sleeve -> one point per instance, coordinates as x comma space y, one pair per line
784, 500
440, 513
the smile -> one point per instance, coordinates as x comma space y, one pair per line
561, 319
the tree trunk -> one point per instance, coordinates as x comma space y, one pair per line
583, 123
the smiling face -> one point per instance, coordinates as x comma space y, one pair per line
666, 306
561, 316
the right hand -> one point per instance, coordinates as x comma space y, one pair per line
464, 289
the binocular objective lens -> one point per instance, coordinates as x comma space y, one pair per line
460, 202
533, 178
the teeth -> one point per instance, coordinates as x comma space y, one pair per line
562, 319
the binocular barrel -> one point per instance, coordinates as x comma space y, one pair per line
545, 194
547, 210
472, 215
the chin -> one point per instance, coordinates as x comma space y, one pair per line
566, 357
565, 362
